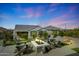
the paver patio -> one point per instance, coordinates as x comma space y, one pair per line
65, 50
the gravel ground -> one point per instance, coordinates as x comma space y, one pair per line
7, 51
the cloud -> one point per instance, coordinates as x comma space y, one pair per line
72, 8
4, 16
31, 13
26, 16
55, 21
61, 21
28, 13
28, 10
51, 10
52, 7
37, 14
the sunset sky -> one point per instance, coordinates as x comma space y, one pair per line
59, 15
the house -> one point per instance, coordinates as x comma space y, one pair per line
51, 29
30, 28
25, 28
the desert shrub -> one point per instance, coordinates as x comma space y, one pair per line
55, 35
45, 34
61, 33
76, 49
34, 34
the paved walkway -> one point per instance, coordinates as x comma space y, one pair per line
61, 51
57, 52
7, 51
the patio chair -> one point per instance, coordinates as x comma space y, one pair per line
47, 49
53, 43
58, 44
25, 49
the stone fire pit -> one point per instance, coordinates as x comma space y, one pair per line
39, 46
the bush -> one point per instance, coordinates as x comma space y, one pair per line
61, 33
55, 35
8, 42
34, 34
45, 35
76, 49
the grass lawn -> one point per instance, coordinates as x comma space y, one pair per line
76, 49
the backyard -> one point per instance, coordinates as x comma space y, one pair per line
65, 50
62, 43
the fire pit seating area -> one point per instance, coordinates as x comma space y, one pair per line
30, 33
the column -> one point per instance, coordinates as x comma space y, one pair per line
37, 33
15, 37
29, 36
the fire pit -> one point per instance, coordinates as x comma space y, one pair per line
39, 45
38, 41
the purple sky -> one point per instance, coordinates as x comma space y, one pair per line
60, 15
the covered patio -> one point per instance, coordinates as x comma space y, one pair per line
33, 31
28, 29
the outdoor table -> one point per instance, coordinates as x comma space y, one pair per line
39, 47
